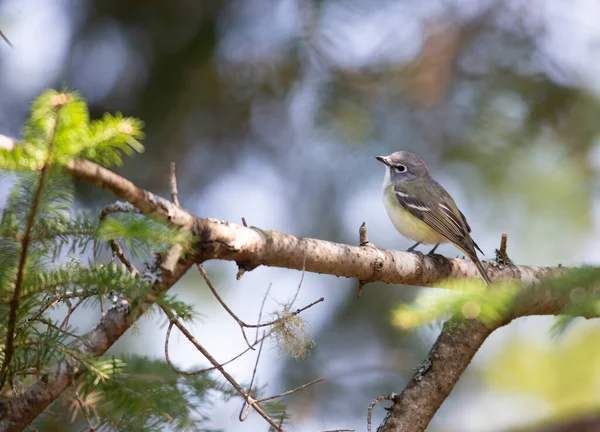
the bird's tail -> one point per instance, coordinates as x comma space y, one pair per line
480, 267
472, 254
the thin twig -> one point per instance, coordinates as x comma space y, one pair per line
80, 401
173, 183
44, 308
244, 415
51, 301
235, 317
282, 419
201, 371
72, 309
301, 278
14, 303
119, 253
289, 392
218, 366
50, 324
262, 306
390, 397
119, 207
6, 39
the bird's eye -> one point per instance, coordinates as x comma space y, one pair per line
400, 168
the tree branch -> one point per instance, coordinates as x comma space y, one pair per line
460, 339
251, 247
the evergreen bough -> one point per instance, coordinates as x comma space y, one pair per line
44, 247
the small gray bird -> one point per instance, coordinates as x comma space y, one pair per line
422, 210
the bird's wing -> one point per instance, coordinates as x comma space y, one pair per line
437, 210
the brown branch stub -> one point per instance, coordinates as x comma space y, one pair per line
173, 184
362, 235
501, 254
364, 242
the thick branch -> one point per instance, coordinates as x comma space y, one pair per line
413, 409
251, 247
146, 202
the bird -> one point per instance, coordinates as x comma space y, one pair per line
422, 210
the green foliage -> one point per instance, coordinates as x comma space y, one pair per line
157, 397
183, 311
116, 394
140, 234
576, 290
59, 130
141, 394
460, 298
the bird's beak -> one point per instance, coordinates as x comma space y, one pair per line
383, 160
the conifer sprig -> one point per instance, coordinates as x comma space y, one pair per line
57, 104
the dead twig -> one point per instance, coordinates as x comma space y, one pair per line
501, 254
244, 415
201, 371
236, 318
3, 36
173, 183
81, 405
70, 311
220, 368
119, 207
389, 397
289, 392
260, 312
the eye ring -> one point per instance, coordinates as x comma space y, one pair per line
400, 168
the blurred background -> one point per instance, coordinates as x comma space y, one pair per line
274, 110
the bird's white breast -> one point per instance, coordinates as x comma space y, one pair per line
408, 225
